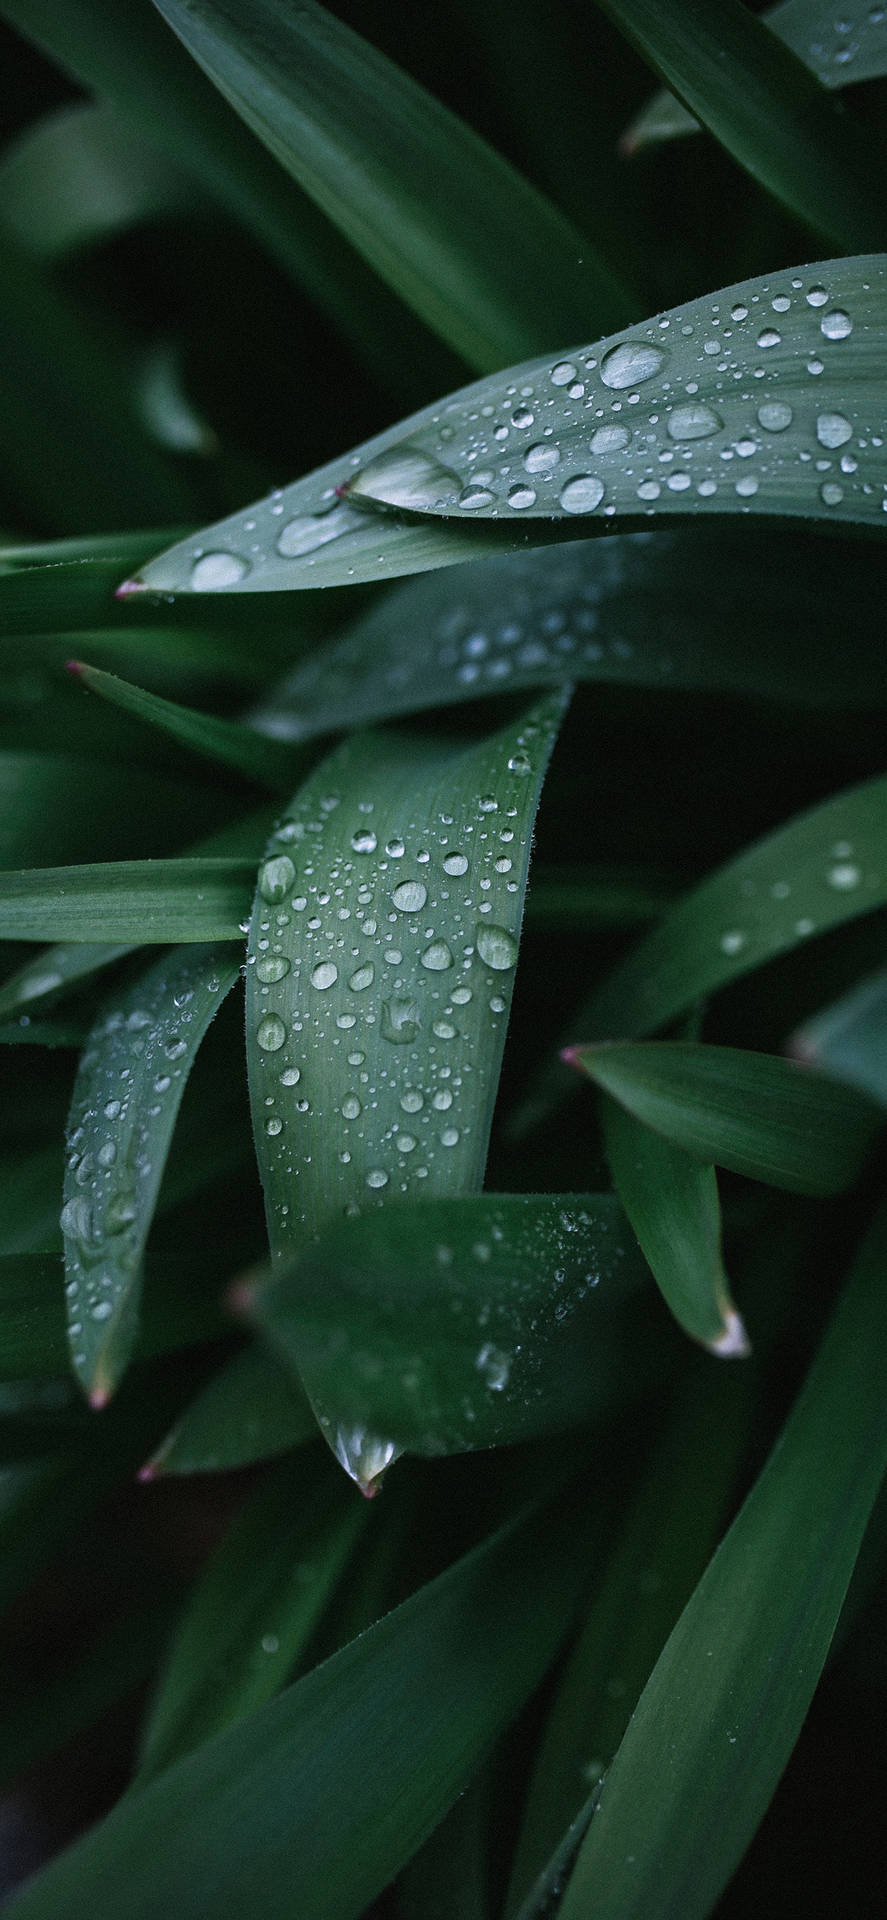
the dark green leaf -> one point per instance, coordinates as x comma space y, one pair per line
765, 107
142, 902
33, 1339
249, 1411
756, 1113
254, 1609
824, 868
722, 1710
849, 1039
82, 174
254, 1820
124, 1107
671, 1199
460, 1323
269, 762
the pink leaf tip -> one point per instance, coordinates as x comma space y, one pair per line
75, 667
128, 587
147, 1472
98, 1398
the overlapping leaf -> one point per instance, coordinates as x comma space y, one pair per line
139, 902
126, 1099
228, 743
849, 1039
381, 963
824, 868
80, 175
250, 1410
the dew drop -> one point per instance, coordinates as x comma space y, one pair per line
630, 363
215, 570
844, 876
276, 878
270, 1033
436, 958
290, 1077
444, 1030
405, 1142
747, 486
410, 896
495, 1367
769, 338
474, 498
275, 967
412, 1101
405, 477
831, 494
542, 457
351, 1107
362, 978
400, 1021
521, 496
582, 494
733, 941
693, 422
833, 430
377, 1177
102, 1310
774, 416
836, 325
450, 1137
273, 1127
496, 947
520, 762
563, 373
461, 996
394, 847
364, 841
324, 975
610, 439
455, 863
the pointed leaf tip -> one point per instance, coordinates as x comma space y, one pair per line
128, 587
99, 1397
75, 667
733, 1343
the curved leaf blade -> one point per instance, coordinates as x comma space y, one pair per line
764, 106
141, 902
476, 1321
720, 1714
481, 256
849, 1039
380, 967
671, 1199
253, 1820
250, 1410
126, 1098
268, 762
741, 397
760, 1115
253, 1610
819, 871
82, 174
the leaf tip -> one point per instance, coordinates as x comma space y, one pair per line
99, 1396
150, 1471
733, 1343
75, 667
128, 587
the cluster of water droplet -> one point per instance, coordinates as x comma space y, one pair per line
129, 1084
381, 958
812, 898
849, 44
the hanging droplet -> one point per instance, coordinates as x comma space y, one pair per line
631, 363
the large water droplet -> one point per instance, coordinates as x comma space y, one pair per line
324, 975
351, 1107
610, 439
582, 494
270, 1033
362, 978
496, 947
364, 841
693, 422
400, 1021
437, 958
412, 1100
543, 457
410, 896
563, 373
377, 1178
216, 570
774, 416
629, 364
406, 477
495, 1367
274, 967
275, 879
832, 430
455, 863
308, 531
836, 325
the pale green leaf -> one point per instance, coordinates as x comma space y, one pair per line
140, 902
83, 174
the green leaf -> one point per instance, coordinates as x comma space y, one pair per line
823, 869
30, 1185
776, 373
52, 973
83, 174
124, 1107
253, 1821
722, 1710
756, 1113
253, 1611
469, 1322
849, 1039
709, 607
479, 254
838, 51
672, 1202
61, 806
141, 902
251, 1409
269, 762
656, 1550
381, 961
765, 107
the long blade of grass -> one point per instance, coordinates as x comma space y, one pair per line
250, 1410
769, 1118
739, 398
481, 256
765, 107
253, 1820
469, 1322
124, 1107
270, 763
849, 1038
823, 869
136, 62
671, 1199
722, 1710
712, 608
83, 174
381, 962
252, 1613
656, 1553
839, 51
141, 902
